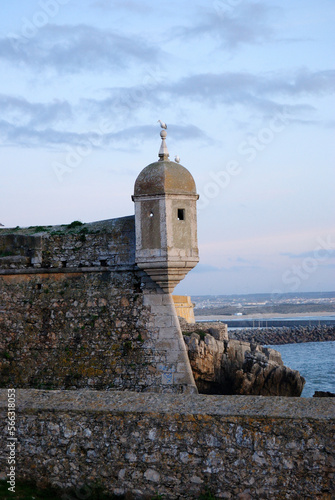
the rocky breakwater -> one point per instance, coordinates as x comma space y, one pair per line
285, 335
226, 366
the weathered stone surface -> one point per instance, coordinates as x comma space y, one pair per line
218, 330
176, 445
235, 367
164, 177
56, 331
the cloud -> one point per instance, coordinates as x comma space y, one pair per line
126, 100
244, 23
54, 123
21, 111
247, 88
319, 253
27, 136
240, 260
180, 132
130, 138
241, 269
266, 92
301, 82
205, 268
73, 49
128, 5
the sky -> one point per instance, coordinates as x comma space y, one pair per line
247, 91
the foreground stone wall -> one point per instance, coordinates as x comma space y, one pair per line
237, 446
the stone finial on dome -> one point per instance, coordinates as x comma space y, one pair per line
163, 151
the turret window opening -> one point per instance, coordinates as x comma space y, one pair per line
181, 214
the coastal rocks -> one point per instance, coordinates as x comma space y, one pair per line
323, 394
216, 329
236, 367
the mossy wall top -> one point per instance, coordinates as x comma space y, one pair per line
104, 243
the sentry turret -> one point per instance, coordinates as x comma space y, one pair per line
165, 199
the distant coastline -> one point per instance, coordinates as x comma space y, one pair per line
265, 319
307, 308
219, 317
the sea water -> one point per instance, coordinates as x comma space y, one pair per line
315, 361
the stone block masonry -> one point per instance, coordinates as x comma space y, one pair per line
176, 445
184, 308
175, 368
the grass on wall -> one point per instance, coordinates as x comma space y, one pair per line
29, 491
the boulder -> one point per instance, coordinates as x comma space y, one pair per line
217, 329
237, 367
323, 394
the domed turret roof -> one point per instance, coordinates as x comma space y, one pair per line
164, 177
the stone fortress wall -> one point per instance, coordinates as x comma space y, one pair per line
86, 312
76, 312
